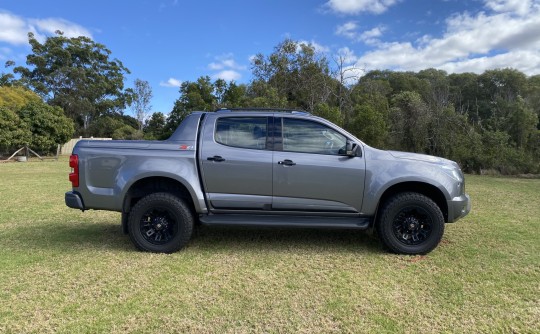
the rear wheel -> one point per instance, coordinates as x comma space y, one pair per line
160, 223
410, 223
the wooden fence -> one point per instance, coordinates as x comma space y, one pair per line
67, 148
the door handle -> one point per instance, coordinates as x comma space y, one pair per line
215, 158
286, 162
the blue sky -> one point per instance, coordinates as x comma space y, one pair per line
171, 41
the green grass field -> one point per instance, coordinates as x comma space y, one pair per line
65, 271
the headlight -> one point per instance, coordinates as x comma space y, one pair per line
454, 172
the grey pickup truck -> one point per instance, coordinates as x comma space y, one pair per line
266, 168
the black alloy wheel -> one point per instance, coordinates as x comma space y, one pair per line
158, 226
160, 223
410, 223
412, 226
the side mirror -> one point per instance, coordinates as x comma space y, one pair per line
352, 149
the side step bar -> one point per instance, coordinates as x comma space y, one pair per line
287, 221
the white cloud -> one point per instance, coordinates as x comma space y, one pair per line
225, 61
501, 38
346, 55
318, 47
227, 75
519, 7
14, 29
50, 25
525, 61
352, 7
371, 36
350, 31
228, 69
172, 82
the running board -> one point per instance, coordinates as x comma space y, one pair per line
287, 221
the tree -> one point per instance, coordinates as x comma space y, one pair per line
48, 125
369, 125
76, 74
198, 95
14, 133
297, 72
155, 126
330, 113
26, 120
464, 95
142, 94
16, 97
7, 79
522, 123
410, 119
263, 95
235, 96
108, 126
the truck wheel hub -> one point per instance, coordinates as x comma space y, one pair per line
160, 223
412, 224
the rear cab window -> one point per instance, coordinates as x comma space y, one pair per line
242, 132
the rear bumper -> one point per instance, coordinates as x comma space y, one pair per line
458, 207
74, 200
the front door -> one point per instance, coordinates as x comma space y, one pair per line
311, 172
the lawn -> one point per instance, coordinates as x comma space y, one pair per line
65, 271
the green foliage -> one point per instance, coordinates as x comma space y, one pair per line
235, 96
14, 133
48, 125
330, 113
296, 71
154, 127
127, 132
16, 97
409, 122
198, 95
26, 120
521, 123
263, 95
205, 95
116, 127
369, 125
76, 74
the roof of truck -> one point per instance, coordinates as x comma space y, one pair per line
264, 110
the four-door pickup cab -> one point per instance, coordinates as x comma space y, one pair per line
266, 168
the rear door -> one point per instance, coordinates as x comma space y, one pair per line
311, 172
236, 162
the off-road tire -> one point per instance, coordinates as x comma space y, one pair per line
410, 223
160, 223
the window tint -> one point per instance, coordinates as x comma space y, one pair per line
244, 132
311, 137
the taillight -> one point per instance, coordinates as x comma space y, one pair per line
74, 175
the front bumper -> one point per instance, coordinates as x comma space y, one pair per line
74, 200
458, 207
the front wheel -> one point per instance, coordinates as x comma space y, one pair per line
160, 223
410, 223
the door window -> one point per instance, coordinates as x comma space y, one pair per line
243, 132
311, 137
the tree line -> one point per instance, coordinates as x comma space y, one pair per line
487, 121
